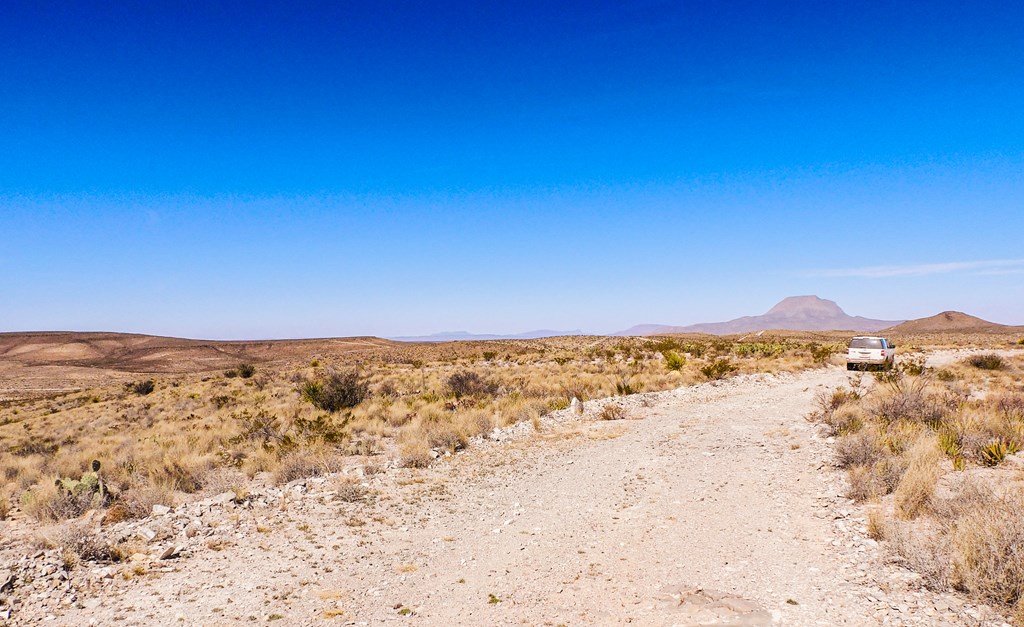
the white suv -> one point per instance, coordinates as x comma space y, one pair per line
868, 351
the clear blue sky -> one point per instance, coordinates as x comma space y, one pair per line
244, 170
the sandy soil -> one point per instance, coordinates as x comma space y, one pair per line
708, 505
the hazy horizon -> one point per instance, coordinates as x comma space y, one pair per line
222, 171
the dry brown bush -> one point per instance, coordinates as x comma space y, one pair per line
83, 542
612, 411
863, 448
349, 490
921, 553
297, 466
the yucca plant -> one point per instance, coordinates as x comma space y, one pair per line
949, 442
996, 451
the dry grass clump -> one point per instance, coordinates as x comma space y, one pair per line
47, 503
917, 485
987, 549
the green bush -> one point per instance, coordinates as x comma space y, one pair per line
718, 369
674, 361
335, 391
141, 388
989, 361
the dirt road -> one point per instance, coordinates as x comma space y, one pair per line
711, 505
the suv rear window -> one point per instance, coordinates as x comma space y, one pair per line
866, 342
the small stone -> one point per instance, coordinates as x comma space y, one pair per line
161, 510
170, 552
146, 534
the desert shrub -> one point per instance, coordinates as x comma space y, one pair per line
138, 501
246, 370
911, 404
830, 401
821, 352
469, 383
297, 466
863, 448
946, 376
874, 481
335, 391
476, 422
444, 435
913, 367
576, 388
44, 447
612, 411
140, 388
261, 426
1011, 406
664, 344
674, 361
757, 349
84, 543
988, 361
349, 490
718, 369
324, 428
183, 474
625, 386
921, 553
223, 400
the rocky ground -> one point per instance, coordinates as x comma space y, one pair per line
715, 504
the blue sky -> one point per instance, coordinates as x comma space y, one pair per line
227, 170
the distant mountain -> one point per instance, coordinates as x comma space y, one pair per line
452, 336
951, 321
796, 313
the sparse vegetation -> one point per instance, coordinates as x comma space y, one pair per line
918, 429
179, 433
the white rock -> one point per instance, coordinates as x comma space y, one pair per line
160, 510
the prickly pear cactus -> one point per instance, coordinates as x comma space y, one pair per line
89, 483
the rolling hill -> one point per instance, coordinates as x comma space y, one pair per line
951, 322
